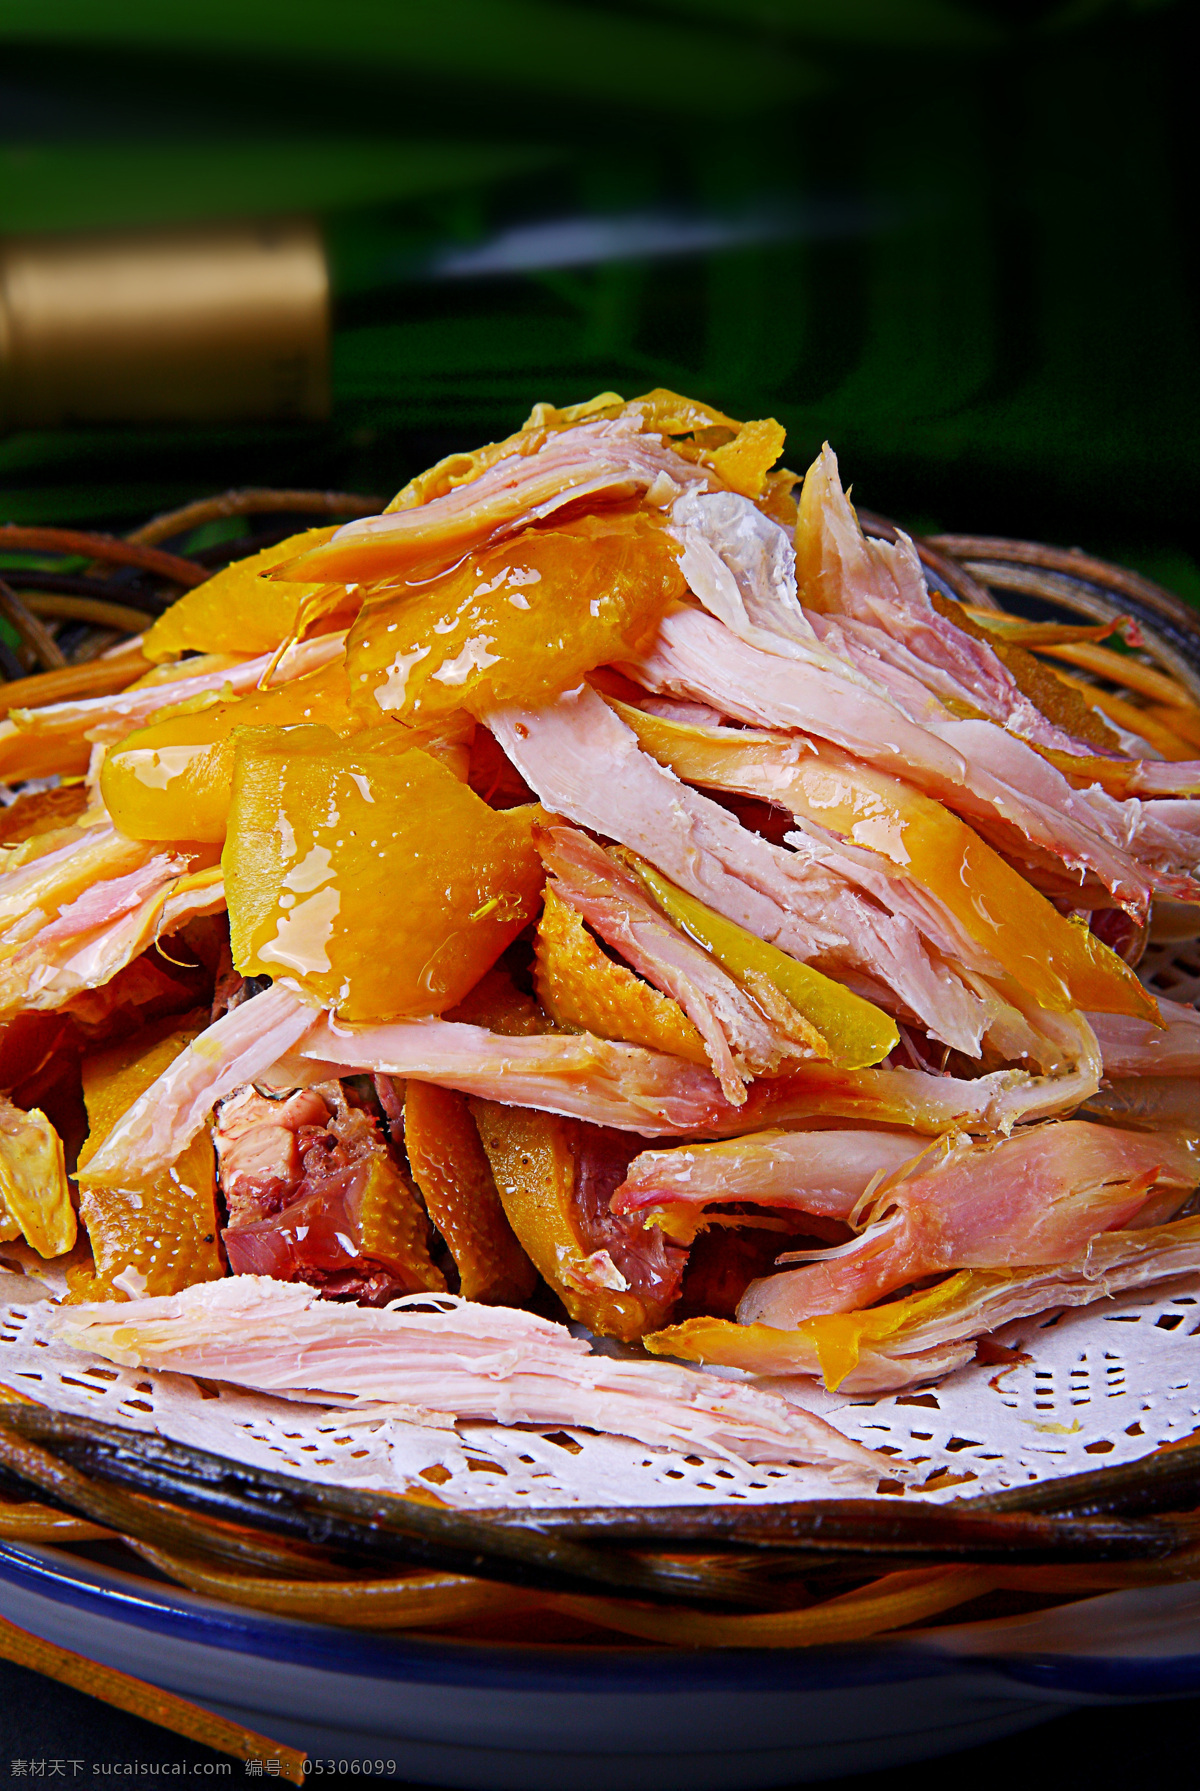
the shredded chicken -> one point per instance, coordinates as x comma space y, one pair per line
824, 1173
875, 591
1113, 1262
488, 1363
586, 764
36, 885
742, 1040
1040, 1196
575, 1074
107, 719
589, 464
637, 1090
162, 1122
989, 777
865, 785
911, 1342
869, 616
91, 939
1136, 1048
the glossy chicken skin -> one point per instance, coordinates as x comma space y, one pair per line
238, 610
156, 1232
323, 837
452, 1171
516, 623
173, 778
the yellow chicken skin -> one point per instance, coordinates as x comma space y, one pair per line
452, 1172
172, 779
35, 1200
831, 1343
515, 623
370, 877
744, 462
581, 987
615, 1277
240, 611
1060, 964
159, 1235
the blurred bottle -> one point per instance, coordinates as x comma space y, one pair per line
221, 323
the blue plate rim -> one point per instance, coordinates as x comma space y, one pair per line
164, 1609
161, 1608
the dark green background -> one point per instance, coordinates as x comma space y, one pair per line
991, 308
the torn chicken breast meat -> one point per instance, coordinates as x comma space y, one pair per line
691, 926
1040, 1196
741, 1038
471, 1361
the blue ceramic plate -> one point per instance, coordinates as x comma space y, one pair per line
536, 1718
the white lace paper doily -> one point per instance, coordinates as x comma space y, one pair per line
1102, 1384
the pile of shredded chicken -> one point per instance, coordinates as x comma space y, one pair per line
611, 890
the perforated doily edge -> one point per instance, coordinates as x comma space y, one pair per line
1091, 1387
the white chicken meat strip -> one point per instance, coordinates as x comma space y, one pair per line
741, 1040
974, 767
1037, 1197
1133, 1047
586, 764
163, 1121
489, 1363
824, 1173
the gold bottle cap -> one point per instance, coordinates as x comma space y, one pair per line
214, 324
